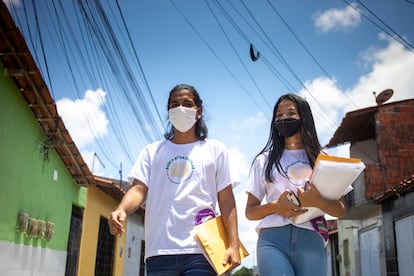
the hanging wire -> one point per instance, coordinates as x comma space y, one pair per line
409, 2
138, 62
394, 35
216, 55
307, 50
92, 47
238, 57
284, 62
272, 69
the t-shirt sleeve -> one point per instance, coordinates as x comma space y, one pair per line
226, 170
255, 182
141, 169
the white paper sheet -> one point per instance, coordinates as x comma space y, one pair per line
333, 177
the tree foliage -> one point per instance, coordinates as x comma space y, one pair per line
244, 272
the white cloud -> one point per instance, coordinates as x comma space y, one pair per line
248, 126
254, 122
239, 160
337, 19
247, 231
390, 67
326, 101
84, 118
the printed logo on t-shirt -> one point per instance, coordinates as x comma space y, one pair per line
298, 171
179, 169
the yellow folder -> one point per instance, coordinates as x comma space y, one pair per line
213, 240
332, 176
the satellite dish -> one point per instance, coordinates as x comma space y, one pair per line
384, 96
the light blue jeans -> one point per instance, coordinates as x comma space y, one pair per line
290, 251
179, 265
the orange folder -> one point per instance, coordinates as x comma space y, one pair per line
213, 240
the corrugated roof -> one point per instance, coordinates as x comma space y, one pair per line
360, 125
115, 189
356, 126
405, 186
110, 187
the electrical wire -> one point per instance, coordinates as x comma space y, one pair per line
284, 62
307, 50
138, 62
391, 33
216, 55
239, 58
98, 46
272, 69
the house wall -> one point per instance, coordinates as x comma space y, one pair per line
395, 140
395, 159
395, 132
98, 204
366, 150
346, 247
349, 232
361, 205
393, 210
28, 185
135, 236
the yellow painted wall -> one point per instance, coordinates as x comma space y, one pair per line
97, 204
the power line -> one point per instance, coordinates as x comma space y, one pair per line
272, 69
394, 35
215, 54
238, 57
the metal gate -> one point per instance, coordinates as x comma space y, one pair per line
404, 233
369, 245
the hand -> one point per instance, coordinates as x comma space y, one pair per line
309, 196
115, 222
286, 208
232, 257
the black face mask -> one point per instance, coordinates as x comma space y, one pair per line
288, 127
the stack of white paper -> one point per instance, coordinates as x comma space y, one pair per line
333, 177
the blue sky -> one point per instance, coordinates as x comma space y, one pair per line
334, 53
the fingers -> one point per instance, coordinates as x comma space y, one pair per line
116, 228
232, 259
296, 212
115, 223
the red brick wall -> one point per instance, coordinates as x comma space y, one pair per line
395, 137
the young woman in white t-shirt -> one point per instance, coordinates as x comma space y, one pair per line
280, 174
181, 180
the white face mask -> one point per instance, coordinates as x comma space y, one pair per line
182, 118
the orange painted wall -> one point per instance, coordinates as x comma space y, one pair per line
97, 204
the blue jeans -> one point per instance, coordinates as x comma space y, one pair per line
179, 265
290, 251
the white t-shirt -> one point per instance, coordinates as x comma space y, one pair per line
296, 166
183, 181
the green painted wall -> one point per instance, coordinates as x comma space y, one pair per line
26, 179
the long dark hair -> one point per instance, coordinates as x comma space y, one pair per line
201, 127
276, 143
